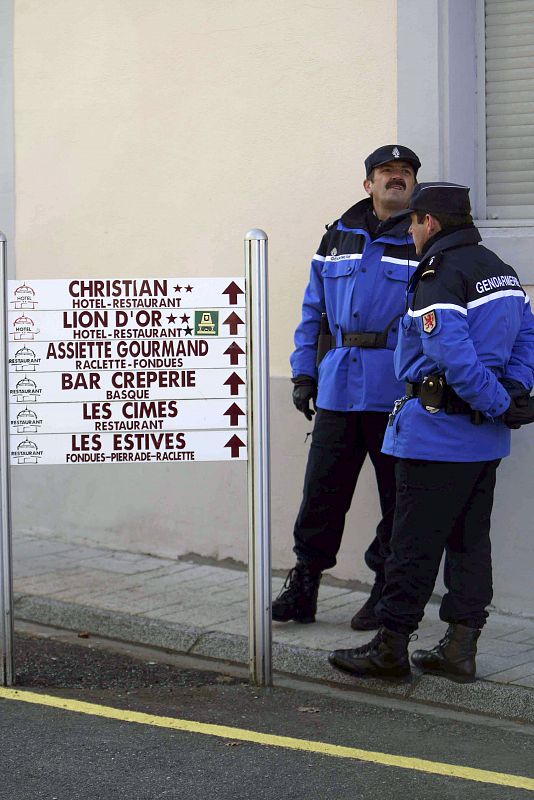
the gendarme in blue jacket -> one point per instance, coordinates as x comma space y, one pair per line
360, 283
471, 321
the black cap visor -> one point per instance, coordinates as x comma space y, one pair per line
438, 198
413, 164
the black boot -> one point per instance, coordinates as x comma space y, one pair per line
453, 657
365, 619
298, 599
385, 656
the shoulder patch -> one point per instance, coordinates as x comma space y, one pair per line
429, 321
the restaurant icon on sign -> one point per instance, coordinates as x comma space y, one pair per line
206, 323
27, 421
27, 452
26, 391
24, 360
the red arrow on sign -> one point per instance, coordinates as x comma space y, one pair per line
234, 412
234, 381
233, 321
234, 444
232, 291
234, 351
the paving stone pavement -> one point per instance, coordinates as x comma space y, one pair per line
202, 609
215, 599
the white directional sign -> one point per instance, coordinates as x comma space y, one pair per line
186, 384
115, 448
70, 356
123, 370
130, 415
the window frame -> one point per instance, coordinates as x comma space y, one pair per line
441, 110
482, 211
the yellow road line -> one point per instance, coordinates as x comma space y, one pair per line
272, 740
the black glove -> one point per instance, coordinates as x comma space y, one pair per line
305, 390
520, 412
514, 388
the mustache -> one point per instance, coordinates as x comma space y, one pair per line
396, 182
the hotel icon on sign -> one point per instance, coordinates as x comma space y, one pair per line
24, 297
25, 329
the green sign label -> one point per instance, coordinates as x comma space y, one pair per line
206, 323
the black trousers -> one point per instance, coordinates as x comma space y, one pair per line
340, 443
440, 507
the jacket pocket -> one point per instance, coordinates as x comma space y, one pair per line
397, 272
339, 269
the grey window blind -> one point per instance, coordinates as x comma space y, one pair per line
509, 109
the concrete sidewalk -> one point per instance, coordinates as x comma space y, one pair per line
202, 610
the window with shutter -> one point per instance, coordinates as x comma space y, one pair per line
509, 40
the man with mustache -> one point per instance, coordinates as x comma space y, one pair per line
343, 365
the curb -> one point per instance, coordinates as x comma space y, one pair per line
503, 701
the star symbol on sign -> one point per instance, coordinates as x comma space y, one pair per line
188, 331
177, 288
188, 288
185, 318
171, 318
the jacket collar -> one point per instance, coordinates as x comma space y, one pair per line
456, 238
459, 237
354, 217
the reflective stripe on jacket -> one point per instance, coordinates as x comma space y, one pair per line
470, 320
360, 283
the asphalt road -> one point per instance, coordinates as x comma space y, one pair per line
52, 753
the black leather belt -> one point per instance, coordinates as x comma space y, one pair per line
446, 398
370, 340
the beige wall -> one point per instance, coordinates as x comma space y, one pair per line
151, 135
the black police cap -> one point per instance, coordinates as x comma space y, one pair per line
391, 152
438, 198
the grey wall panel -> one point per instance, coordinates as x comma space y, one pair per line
513, 528
515, 246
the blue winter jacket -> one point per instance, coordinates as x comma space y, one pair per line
470, 320
360, 283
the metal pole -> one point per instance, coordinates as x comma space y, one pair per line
7, 666
259, 486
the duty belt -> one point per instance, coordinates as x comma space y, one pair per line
435, 394
370, 340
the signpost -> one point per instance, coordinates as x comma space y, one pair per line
119, 370
259, 486
7, 669
126, 370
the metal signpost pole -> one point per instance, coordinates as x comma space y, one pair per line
259, 489
7, 670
